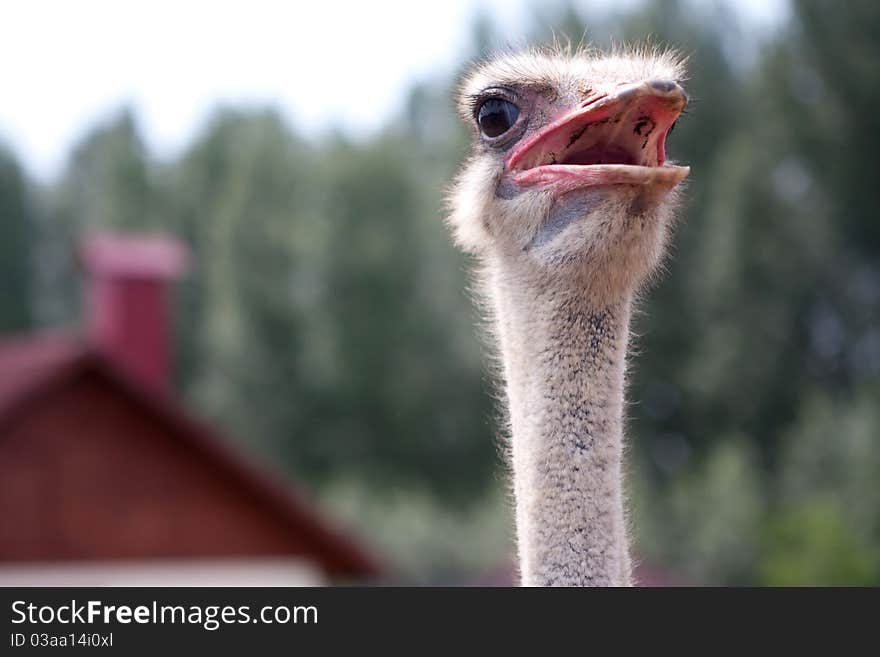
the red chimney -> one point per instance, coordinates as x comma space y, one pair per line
127, 293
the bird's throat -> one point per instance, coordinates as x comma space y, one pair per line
564, 362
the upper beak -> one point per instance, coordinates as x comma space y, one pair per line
634, 117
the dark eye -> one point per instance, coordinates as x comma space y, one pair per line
496, 116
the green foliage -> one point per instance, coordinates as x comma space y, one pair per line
827, 526
706, 525
16, 245
812, 544
326, 324
109, 183
425, 539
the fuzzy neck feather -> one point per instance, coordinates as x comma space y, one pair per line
563, 359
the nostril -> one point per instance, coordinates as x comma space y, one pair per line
669, 88
664, 86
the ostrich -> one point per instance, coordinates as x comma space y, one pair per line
567, 202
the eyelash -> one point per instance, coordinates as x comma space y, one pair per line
476, 101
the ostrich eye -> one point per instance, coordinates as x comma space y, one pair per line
496, 116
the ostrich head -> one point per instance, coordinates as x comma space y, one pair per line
568, 175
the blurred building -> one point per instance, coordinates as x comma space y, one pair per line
106, 479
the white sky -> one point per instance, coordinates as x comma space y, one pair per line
67, 63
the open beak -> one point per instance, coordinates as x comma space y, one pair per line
617, 138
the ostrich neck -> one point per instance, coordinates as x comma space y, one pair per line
564, 361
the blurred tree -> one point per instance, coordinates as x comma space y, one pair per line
813, 544
320, 325
108, 183
239, 198
16, 247
406, 385
825, 528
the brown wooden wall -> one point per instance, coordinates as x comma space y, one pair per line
90, 474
